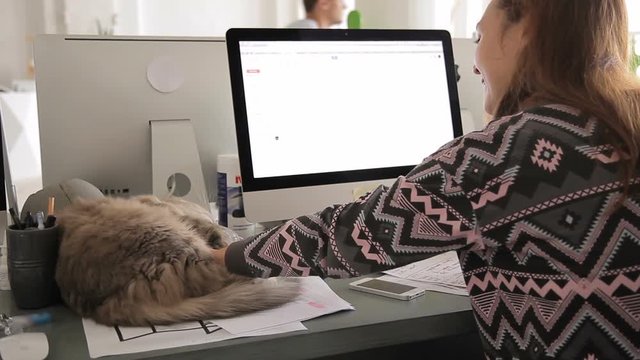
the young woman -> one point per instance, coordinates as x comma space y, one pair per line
542, 205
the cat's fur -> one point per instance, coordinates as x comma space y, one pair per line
141, 261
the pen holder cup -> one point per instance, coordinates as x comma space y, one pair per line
31, 260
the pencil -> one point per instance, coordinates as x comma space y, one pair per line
51, 206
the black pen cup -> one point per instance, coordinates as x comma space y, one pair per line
31, 260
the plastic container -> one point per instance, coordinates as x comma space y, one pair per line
230, 205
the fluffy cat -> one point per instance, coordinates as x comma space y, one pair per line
142, 260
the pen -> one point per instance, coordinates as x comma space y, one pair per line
51, 220
51, 207
40, 219
15, 219
15, 198
28, 221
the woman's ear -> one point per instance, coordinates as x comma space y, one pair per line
517, 35
525, 31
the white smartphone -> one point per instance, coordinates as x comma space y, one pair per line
387, 288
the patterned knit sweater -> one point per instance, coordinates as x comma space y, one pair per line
551, 260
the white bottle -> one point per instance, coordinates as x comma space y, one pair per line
230, 206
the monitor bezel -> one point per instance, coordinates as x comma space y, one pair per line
235, 35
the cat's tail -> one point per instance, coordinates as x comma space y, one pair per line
234, 299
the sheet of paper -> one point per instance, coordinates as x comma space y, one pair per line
316, 299
426, 286
108, 340
443, 269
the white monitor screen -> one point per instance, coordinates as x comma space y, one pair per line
357, 93
337, 107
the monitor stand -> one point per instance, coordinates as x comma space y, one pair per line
176, 168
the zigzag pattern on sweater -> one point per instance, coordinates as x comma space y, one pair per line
532, 205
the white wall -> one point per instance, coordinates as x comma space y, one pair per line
21, 20
633, 7
81, 16
184, 18
384, 14
13, 41
457, 16
165, 17
127, 21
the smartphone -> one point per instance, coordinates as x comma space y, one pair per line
387, 288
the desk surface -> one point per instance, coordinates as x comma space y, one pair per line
376, 322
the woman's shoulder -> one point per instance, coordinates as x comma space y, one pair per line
548, 118
559, 112
552, 111
521, 134
509, 135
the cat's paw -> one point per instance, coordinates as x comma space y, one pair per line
222, 236
288, 286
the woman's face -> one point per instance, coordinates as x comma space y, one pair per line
499, 45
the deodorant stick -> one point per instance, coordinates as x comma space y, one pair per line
230, 206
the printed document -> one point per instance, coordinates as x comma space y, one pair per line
439, 273
316, 299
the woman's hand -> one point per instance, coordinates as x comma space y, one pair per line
218, 255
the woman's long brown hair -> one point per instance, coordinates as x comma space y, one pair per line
578, 54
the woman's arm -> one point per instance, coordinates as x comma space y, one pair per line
218, 255
421, 215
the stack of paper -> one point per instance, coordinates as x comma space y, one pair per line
316, 299
439, 273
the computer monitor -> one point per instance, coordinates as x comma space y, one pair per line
323, 115
97, 95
